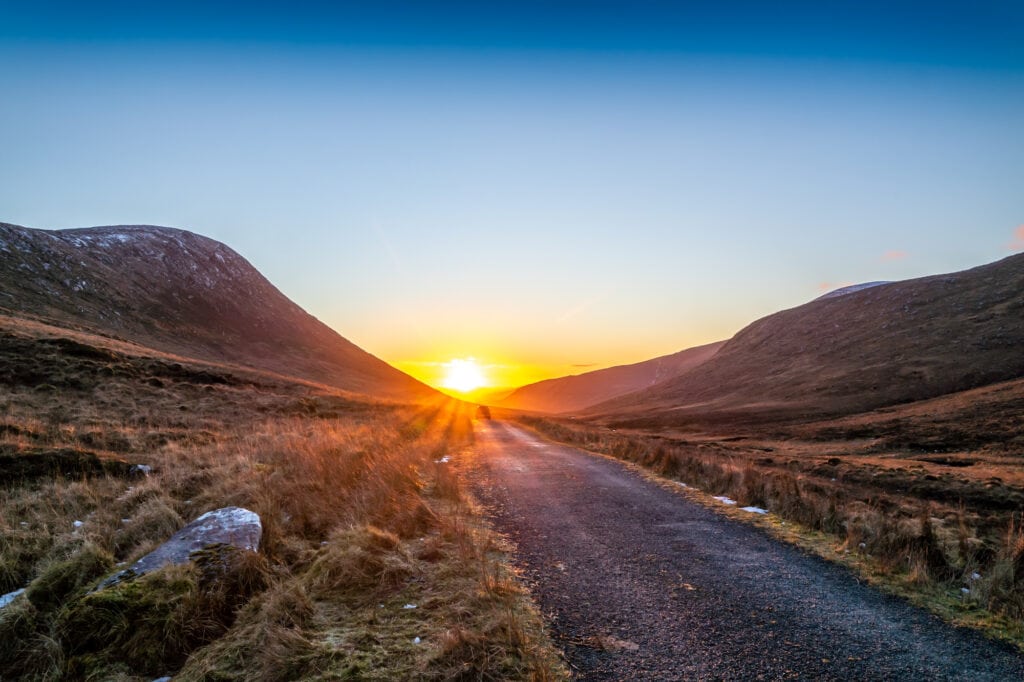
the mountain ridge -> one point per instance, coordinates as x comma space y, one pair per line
181, 292
882, 345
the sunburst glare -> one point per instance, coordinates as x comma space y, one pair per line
463, 375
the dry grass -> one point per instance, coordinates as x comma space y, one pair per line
966, 561
359, 521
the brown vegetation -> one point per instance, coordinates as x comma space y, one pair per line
359, 518
181, 293
575, 393
885, 345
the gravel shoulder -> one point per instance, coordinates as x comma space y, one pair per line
640, 583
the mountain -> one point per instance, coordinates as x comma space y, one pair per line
182, 293
882, 345
573, 393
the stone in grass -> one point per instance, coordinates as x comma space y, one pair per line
9, 597
232, 526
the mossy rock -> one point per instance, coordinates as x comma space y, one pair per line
143, 624
152, 623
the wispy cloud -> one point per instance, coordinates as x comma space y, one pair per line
582, 365
894, 255
1017, 243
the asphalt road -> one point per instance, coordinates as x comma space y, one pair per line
639, 583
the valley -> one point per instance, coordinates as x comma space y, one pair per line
408, 535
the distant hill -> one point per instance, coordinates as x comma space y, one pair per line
179, 292
882, 345
574, 393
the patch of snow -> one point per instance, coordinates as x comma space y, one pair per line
443, 460
681, 484
416, 640
975, 576
9, 597
409, 606
77, 524
142, 469
853, 288
965, 590
754, 510
725, 500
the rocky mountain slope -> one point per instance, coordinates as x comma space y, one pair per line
179, 292
883, 345
573, 393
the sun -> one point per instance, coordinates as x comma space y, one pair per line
463, 375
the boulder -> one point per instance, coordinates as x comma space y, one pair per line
233, 526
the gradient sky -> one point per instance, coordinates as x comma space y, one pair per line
548, 187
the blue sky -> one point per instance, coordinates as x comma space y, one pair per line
540, 185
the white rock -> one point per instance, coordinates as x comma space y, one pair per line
234, 526
9, 597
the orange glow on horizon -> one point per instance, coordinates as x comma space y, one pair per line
473, 378
479, 371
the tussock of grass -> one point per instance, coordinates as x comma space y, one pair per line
62, 579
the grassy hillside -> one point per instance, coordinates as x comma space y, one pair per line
181, 293
885, 345
574, 393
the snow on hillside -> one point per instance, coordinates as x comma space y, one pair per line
851, 289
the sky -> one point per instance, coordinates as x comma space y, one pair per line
546, 187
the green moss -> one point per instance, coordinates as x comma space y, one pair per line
17, 624
144, 624
151, 624
60, 580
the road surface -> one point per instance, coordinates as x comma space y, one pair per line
640, 583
